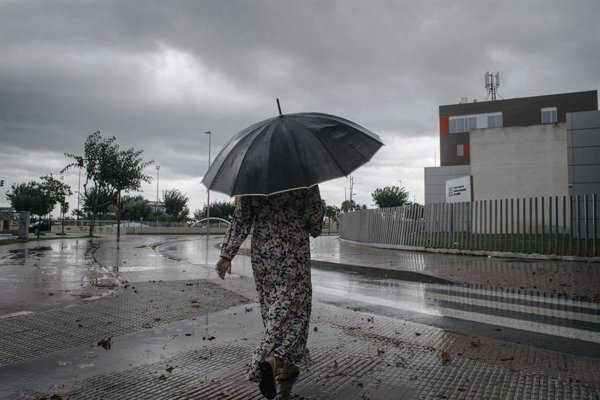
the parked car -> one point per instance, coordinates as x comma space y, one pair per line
42, 226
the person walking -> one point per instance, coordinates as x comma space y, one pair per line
281, 226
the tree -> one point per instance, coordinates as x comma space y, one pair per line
109, 173
135, 208
39, 198
29, 197
348, 205
126, 173
390, 196
332, 213
220, 209
56, 191
97, 202
78, 214
175, 204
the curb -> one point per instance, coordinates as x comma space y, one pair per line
409, 276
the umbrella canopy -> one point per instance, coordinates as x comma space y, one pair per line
288, 152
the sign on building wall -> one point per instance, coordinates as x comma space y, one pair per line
459, 190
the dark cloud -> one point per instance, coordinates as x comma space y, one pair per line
158, 74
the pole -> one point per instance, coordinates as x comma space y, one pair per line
78, 193
62, 178
209, 133
156, 208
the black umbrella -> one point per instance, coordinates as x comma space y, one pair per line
289, 152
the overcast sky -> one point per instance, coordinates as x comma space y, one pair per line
158, 74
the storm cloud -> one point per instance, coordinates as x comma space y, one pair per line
158, 74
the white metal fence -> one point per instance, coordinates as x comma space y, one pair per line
565, 226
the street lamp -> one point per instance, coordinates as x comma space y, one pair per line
80, 162
62, 209
156, 208
209, 133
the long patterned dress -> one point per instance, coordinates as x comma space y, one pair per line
280, 249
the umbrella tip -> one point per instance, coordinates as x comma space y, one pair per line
279, 108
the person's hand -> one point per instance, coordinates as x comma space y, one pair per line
223, 266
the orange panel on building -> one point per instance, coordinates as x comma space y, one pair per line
467, 150
444, 125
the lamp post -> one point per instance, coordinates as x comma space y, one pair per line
80, 161
62, 209
209, 133
156, 208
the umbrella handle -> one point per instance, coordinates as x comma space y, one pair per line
279, 108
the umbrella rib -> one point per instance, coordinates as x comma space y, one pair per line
332, 157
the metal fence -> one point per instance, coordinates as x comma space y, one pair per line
564, 226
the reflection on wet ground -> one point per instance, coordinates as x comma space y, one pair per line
567, 278
37, 277
556, 315
552, 316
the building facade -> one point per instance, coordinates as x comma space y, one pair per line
514, 147
583, 156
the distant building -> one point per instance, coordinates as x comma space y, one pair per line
523, 147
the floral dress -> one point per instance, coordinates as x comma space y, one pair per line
281, 225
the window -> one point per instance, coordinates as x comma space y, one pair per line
464, 124
494, 121
460, 150
549, 115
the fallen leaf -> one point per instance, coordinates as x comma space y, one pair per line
208, 338
417, 333
162, 378
380, 352
249, 309
445, 356
226, 393
157, 319
315, 329
105, 343
63, 363
475, 343
169, 369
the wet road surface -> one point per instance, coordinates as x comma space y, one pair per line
43, 275
555, 323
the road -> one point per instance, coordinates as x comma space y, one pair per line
546, 322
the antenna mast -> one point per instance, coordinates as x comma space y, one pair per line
492, 82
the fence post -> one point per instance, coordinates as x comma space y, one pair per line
595, 224
543, 226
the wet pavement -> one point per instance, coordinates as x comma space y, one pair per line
571, 279
42, 275
175, 331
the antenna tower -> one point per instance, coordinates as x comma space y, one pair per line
491, 84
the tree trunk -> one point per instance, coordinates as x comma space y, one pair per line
92, 223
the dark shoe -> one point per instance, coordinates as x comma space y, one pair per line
267, 380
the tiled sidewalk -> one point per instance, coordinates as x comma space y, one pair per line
186, 335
